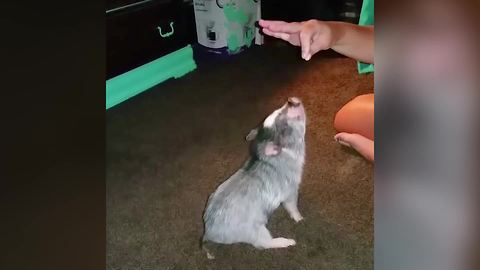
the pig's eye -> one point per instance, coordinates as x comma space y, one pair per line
287, 131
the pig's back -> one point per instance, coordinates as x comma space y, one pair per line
232, 210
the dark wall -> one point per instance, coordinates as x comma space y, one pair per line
302, 10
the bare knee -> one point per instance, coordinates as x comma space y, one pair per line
356, 116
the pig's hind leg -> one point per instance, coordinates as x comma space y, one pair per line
264, 240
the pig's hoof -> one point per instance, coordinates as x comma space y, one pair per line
297, 217
282, 242
210, 256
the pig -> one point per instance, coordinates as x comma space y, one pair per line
238, 210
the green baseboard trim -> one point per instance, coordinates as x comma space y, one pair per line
136, 81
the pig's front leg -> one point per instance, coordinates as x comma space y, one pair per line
290, 204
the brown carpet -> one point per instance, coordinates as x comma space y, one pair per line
168, 148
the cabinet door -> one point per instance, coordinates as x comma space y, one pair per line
142, 32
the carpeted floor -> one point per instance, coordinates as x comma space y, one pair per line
168, 148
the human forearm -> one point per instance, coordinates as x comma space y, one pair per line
353, 40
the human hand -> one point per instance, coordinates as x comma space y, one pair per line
312, 35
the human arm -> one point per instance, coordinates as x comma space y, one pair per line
312, 36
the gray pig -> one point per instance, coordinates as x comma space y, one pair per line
238, 210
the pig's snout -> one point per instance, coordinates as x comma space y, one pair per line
294, 102
295, 108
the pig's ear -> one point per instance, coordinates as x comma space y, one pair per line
252, 134
272, 149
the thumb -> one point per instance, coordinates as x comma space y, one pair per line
318, 43
305, 42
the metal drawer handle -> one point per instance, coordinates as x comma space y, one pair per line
168, 33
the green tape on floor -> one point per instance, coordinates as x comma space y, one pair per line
135, 81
